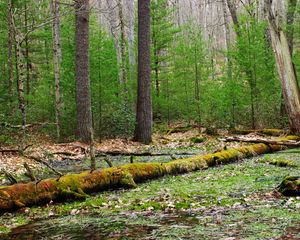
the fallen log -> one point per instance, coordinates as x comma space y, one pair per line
8, 125
77, 186
137, 154
269, 132
291, 143
290, 186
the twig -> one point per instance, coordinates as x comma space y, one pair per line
9, 177
45, 163
29, 172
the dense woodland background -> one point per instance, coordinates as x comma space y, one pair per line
202, 73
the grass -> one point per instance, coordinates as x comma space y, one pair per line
226, 201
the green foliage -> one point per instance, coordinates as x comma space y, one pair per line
192, 80
254, 70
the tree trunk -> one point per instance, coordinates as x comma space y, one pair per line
143, 129
131, 17
83, 95
123, 70
229, 62
232, 10
10, 51
290, 23
26, 40
77, 186
21, 69
286, 70
57, 56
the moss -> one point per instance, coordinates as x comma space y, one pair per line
198, 139
79, 185
290, 186
273, 132
270, 132
280, 162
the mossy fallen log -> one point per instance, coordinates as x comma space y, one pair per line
291, 143
78, 186
268, 132
290, 186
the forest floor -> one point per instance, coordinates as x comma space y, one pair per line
235, 201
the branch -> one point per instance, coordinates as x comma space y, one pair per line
45, 163
291, 143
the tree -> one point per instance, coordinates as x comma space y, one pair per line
83, 96
143, 129
285, 68
21, 70
10, 50
57, 62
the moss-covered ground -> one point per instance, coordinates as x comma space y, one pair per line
235, 201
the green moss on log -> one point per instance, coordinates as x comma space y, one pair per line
280, 162
290, 186
78, 186
198, 139
269, 132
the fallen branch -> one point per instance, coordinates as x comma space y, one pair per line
77, 186
138, 154
269, 132
65, 153
39, 160
19, 150
109, 163
29, 172
8, 125
9, 176
291, 143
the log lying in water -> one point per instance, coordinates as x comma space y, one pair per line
290, 186
291, 143
76, 186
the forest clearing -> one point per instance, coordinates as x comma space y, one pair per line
149, 119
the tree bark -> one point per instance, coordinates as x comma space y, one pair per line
123, 70
10, 51
285, 68
131, 54
233, 13
143, 129
290, 23
57, 56
21, 69
83, 95
77, 186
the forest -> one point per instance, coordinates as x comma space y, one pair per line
149, 119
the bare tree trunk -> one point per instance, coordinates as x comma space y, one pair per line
143, 129
57, 56
233, 13
10, 51
123, 70
113, 19
131, 18
197, 86
228, 59
21, 69
286, 70
26, 40
290, 23
83, 95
